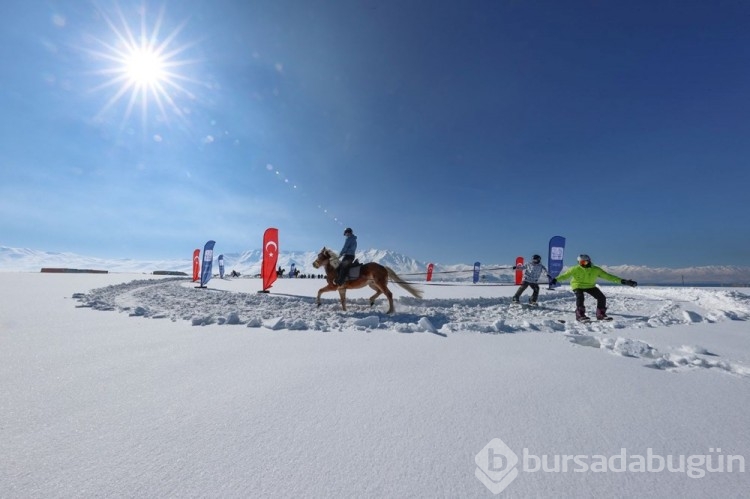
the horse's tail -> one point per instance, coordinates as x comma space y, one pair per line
415, 292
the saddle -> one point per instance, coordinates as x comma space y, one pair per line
354, 270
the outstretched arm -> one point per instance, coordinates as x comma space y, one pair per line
607, 276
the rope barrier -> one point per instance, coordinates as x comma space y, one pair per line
455, 284
486, 269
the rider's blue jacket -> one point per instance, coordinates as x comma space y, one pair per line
350, 246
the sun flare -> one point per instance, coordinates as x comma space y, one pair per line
143, 69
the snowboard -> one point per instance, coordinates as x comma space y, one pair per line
587, 321
524, 305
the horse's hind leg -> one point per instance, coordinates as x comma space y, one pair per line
382, 289
389, 295
373, 297
342, 295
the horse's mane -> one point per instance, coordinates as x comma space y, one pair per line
333, 257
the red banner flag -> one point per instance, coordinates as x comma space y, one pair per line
196, 264
430, 267
270, 257
519, 270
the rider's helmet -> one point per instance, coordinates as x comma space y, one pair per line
584, 260
348, 231
536, 259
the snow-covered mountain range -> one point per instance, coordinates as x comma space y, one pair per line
248, 263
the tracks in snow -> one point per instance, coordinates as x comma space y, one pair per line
642, 308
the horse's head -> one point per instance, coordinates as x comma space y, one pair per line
326, 256
322, 258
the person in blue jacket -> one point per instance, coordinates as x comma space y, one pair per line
346, 255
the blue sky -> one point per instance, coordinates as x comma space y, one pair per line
447, 131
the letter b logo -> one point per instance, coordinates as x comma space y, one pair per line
496, 466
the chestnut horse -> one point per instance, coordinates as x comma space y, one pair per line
370, 274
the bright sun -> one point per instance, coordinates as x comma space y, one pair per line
142, 68
145, 68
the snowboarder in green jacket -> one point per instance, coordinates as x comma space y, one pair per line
583, 280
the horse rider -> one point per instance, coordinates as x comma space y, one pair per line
347, 255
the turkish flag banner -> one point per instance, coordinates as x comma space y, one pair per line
519, 270
270, 257
196, 264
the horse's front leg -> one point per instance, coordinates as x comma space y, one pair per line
342, 295
323, 290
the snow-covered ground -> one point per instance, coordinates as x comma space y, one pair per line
135, 385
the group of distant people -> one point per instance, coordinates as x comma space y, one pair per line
292, 274
296, 274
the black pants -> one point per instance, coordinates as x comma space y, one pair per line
601, 300
343, 269
534, 288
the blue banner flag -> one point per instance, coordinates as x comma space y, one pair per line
556, 255
221, 266
292, 273
475, 279
208, 260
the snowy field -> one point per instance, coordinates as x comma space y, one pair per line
137, 386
